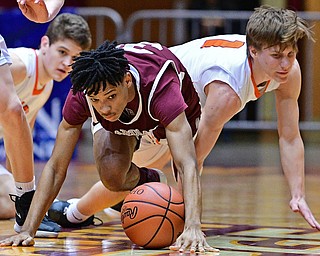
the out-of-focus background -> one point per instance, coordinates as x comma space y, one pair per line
250, 138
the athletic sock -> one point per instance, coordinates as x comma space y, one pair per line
73, 214
23, 187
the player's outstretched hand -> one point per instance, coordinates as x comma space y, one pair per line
24, 239
40, 11
194, 240
300, 205
34, 10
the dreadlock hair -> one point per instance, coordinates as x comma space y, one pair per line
92, 70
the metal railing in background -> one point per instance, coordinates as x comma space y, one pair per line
101, 14
178, 26
172, 27
182, 30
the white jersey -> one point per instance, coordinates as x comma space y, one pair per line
31, 94
4, 56
222, 58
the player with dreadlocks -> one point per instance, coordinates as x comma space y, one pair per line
107, 63
150, 85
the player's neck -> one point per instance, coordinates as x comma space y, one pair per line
259, 76
44, 77
131, 92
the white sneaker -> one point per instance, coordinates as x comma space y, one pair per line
73, 200
112, 214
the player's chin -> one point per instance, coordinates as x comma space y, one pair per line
281, 78
111, 118
59, 78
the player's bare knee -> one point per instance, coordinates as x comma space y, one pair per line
114, 179
113, 183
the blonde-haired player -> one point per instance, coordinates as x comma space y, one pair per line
230, 70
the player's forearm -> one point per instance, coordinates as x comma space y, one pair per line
202, 151
192, 198
292, 159
34, 217
48, 188
205, 141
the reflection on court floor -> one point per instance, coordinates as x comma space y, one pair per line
109, 239
245, 213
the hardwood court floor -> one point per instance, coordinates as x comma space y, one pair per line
245, 212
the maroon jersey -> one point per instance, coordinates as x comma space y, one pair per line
164, 90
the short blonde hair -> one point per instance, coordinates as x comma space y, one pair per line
269, 26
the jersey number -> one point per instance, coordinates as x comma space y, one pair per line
222, 43
142, 47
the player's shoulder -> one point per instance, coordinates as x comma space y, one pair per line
227, 41
226, 37
23, 59
22, 54
22, 51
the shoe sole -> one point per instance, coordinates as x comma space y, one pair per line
39, 233
17, 228
46, 234
112, 214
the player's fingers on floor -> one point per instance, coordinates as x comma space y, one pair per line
209, 248
174, 248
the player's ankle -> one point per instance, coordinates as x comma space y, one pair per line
74, 215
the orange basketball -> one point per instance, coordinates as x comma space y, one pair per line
152, 215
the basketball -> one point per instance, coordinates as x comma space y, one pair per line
152, 215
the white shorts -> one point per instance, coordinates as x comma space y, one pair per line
4, 171
4, 56
150, 153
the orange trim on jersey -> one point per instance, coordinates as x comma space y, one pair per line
222, 43
25, 107
257, 93
36, 91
